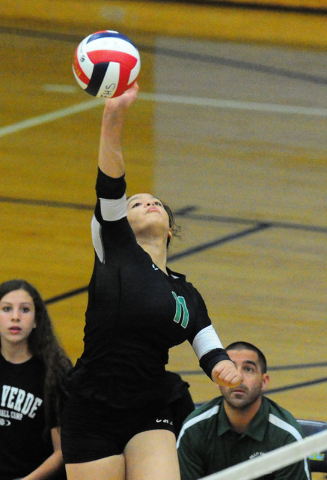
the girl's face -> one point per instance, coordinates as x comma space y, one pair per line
17, 317
147, 212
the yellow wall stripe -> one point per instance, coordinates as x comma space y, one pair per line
206, 22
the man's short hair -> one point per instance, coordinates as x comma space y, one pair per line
240, 345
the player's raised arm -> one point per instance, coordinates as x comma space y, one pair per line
110, 153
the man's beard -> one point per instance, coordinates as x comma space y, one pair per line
245, 401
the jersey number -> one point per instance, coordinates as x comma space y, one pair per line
181, 311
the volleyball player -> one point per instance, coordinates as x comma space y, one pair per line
117, 424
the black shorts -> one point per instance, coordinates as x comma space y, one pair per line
90, 430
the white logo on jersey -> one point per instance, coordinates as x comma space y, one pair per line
24, 403
4, 423
165, 420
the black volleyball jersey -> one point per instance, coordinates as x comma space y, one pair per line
135, 313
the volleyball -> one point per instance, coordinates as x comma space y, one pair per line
106, 64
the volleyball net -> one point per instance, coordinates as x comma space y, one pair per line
274, 460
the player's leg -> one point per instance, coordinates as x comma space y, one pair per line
112, 468
90, 441
152, 454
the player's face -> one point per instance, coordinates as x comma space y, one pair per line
253, 380
17, 317
147, 213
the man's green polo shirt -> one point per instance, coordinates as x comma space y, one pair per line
207, 444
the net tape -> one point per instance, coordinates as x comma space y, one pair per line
269, 462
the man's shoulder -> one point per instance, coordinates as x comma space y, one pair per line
204, 411
200, 424
282, 419
279, 411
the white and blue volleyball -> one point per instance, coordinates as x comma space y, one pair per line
106, 64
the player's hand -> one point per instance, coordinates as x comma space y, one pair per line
122, 102
225, 373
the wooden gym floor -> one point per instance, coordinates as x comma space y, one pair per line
233, 136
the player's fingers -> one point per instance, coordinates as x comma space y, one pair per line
122, 102
236, 380
229, 377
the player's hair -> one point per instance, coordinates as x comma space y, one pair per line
44, 345
172, 224
240, 345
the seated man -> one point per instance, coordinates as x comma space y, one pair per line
239, 425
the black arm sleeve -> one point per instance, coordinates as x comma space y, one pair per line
210, 359
105, 186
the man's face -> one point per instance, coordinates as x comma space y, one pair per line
253, 380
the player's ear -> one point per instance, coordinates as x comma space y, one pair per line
170, 233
